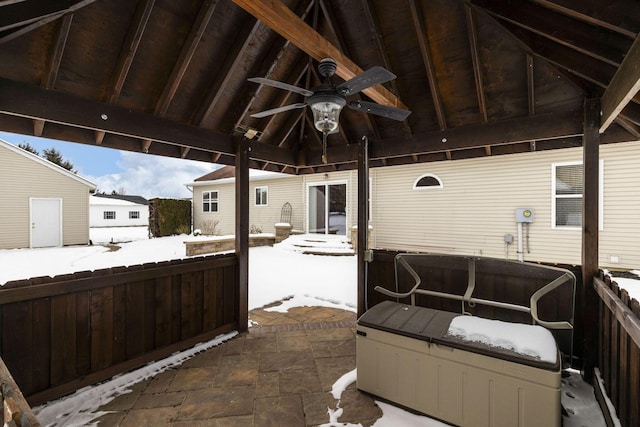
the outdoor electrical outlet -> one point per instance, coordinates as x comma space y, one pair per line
508, 239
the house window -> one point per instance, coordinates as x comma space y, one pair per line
134, 214
210, 201
261, 196
109, 214
568, 187
427, 181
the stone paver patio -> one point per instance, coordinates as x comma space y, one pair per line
279, 373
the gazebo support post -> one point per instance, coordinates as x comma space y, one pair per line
363, 222
590, 228
242, 231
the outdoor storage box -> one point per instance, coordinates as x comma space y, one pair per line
405, 356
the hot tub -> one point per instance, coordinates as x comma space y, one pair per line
407, 355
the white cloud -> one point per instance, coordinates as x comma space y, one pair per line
152, 176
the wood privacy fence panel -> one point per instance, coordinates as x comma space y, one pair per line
619, 349
59, 334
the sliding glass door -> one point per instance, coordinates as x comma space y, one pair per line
328, 208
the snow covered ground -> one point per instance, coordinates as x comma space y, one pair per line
314, 271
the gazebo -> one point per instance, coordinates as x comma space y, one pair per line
480, 77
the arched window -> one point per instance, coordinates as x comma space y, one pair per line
427, 181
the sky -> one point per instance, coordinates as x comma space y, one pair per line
333, 284
137, 174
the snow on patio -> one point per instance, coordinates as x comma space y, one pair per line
276, 273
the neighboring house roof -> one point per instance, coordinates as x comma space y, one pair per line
33, 157
223, 172
138, 200
227, 174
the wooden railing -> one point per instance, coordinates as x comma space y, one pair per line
63, 333
619, 355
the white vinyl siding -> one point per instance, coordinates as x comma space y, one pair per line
22, 178
477, 207
127, 214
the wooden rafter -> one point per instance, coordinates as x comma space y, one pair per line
419, 25
286, 23
129, 48
600, 44
286, 45
24, 13
55, 55
33, 102
284, 101
475, 60
623, 87
577, 9
531, 95
327, 11
53, 63
43, 21
376, 33
186, 54
498, 133
216, 93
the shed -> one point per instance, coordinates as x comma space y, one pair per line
43, 204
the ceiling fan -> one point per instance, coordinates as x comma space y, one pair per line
327, 100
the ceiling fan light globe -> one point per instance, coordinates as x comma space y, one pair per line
326, 111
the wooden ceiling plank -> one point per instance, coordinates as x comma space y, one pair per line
531, 93
25, 13
475, 59
631, 113
632, 128
216, 94
623, 87
376, 33
578, 35
129, 48
327, 11
57, 50
572, 9
35, 25
186, 54
285, 100
290, 128
282, 20
421, 33
8, 2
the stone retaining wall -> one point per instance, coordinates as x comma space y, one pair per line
201, 247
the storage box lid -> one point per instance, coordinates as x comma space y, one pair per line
431, 325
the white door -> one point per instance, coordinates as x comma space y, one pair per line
46, 222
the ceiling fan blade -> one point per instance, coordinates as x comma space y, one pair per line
380, 110
278, 110
371, 77
281, 85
